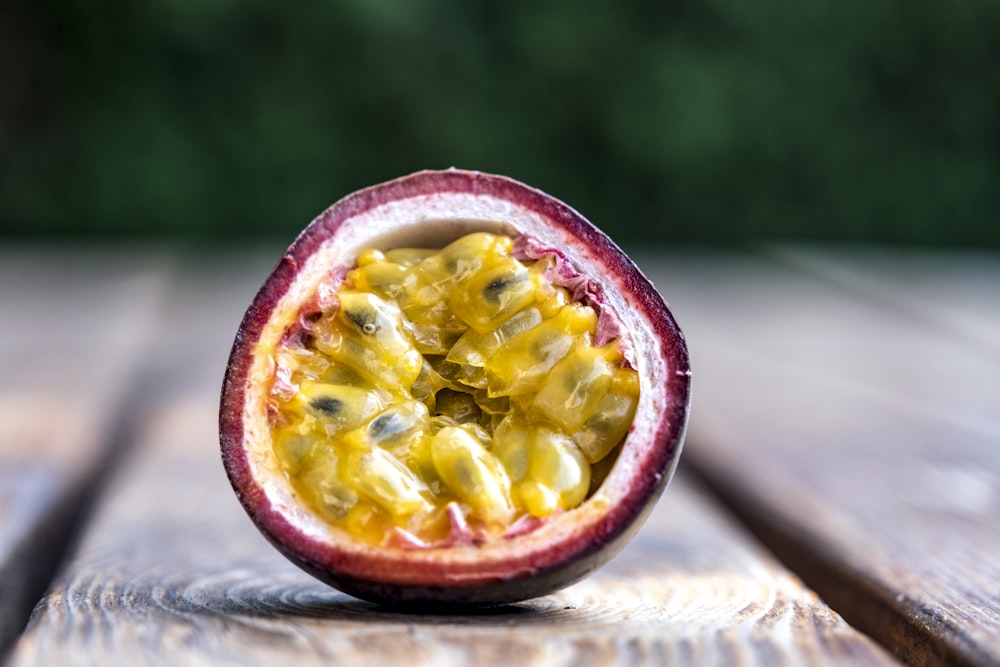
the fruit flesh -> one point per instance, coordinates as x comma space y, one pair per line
450, 396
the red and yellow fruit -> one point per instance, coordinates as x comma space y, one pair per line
453, 390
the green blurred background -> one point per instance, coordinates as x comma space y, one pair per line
714, 121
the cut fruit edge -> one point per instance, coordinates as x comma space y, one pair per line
430, 209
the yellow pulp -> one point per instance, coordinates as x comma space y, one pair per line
448, 381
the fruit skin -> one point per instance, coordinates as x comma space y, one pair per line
567, 547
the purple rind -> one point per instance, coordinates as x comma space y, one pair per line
382, 576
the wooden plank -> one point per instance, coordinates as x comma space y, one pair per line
858, 442
949, 291
71, 327
171, 572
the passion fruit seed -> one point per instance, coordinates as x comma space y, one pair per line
442, 377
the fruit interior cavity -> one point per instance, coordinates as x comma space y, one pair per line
448, 396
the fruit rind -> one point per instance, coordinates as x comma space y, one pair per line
430, 209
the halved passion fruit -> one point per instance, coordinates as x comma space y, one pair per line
453, 390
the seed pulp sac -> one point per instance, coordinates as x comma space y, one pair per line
451, 396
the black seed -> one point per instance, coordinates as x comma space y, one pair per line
328, 405
497, 286
364, 320
386, 426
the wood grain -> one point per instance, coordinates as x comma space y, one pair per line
170, 571
68, 338
955, 292
858, 438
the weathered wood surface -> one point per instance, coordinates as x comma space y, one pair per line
170, 571
948, 291
70, 330
849, 409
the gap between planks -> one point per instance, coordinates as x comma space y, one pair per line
71, 396
861, 525
69, 340
867, 604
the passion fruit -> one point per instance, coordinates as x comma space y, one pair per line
453, 390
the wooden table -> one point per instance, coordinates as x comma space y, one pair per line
838, 501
